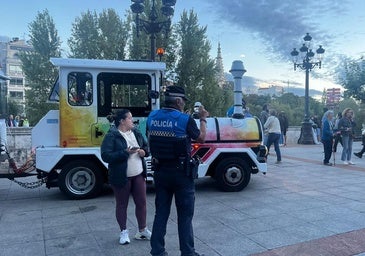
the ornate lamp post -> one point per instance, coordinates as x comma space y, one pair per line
307, 64
152, 26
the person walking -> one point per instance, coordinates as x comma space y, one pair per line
362, 151
284, 125
346, 126
327, 136
337, 132
272, 125
264, 115
124, 148
170, 132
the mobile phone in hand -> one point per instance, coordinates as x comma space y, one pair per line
134, 148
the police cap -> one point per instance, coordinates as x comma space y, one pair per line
175, 91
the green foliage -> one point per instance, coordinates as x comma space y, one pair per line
195, 70
38, 70
291, 104
99, 37
354, 80
15, 108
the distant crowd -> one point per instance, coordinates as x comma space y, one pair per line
17, 121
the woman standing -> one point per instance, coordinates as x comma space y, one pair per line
123, 148
346, 126
272, 125
327, 136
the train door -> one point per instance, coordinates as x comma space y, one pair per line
77, 108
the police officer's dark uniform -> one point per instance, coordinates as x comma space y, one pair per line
169, 133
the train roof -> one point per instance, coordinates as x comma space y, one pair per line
108, 64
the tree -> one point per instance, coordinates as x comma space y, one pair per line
113, 35
102, 36
39, 72
195, 69
354, 79
84, 40
15, 107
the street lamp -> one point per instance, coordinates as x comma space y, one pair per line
306, 63
152, 26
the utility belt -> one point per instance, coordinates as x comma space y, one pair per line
181, 164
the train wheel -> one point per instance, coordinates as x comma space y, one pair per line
80, 179
232, 174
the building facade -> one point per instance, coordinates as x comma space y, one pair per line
11, 67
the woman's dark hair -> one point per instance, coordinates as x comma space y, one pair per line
117, 116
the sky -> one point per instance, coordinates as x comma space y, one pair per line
260, 33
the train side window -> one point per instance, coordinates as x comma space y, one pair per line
79, 89
124, 90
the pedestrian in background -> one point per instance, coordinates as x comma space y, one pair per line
124, 148
10, 122
337, 132
264, 115
284, 125
169, 132
362, 151
327, 136
272, 125
346, 125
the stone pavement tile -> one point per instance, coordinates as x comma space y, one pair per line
20, 215
91, 251
302, 210
108, 243
21, 248
274, 238
52, 212
67, 218
24, 231
347, 244
223, 239
23, 205
65, 230
337, 225
307, 231
72, 243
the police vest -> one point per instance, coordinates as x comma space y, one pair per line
167, 134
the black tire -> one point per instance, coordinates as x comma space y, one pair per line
232, 174
80, 179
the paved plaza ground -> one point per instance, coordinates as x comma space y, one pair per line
300, 207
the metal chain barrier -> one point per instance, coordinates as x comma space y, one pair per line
27, 167
30, 185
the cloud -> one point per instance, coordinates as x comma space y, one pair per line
279, 25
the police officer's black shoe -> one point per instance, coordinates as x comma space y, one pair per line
197, 254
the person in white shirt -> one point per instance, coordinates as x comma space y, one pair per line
272, 126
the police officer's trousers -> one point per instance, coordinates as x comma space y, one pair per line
171, 182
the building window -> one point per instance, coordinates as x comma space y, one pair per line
16, 95
15, 70
16, 82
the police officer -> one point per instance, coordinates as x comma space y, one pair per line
169, 132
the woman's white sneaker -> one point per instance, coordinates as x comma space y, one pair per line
143, 235
124, 237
